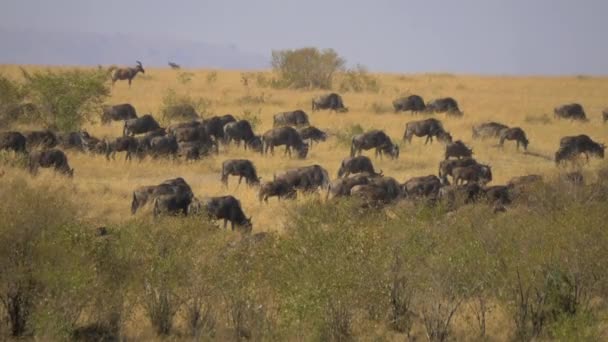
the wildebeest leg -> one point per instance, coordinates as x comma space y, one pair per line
288, 150
428, 138
225, 223
518, 145
129, 83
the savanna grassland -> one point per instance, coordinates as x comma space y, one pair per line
327, 270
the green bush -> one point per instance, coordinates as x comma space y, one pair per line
66, 99
181, 107
358, 80
306, 68
345, 136
11, 101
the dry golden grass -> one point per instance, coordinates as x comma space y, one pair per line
106, 186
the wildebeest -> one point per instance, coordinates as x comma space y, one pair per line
456, 194
572, 111
374, 139
238, 131
457, 149
121, 144
313, 134
356, 164
143, 124
474, 173
446, 167
379, 190
193, 150
497, 194
444, 105
146, 194
243, 168
341, 187
50, 158
123, 111
413, 103
331, 101
163, 146
276, 187
121, 74
425, 186
174, 66
429, 128
80, 140
44, 139
173, 204
144, 140
306, 178
605, 115
13, 141
488, 130
572, 146
293, 118
227, 208
514, 133
287, 136
214, 126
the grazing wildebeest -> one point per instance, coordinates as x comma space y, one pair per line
276, 187
374, 139
429, 128
425, 186
143, 124
571, 146
14, 141
293, 118
306, 178
123, 111
75, 140
287, 136
331, 101
413, 103
497, 194
144, 141
193, 150
214, 126
173, 204
341, 187
572, 111
121, 144
174, 66
514, 133
145, 194
45, 139
238, 131
473, 173
457, 149
444, 105
121, 74
176, 126
378, 191
446, 166
454, 194
313, 134
488, 130
356, 164
192, 134
227, 208
50, 158
605, 115
165, 145
243, 168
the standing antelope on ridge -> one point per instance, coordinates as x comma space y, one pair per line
121, 74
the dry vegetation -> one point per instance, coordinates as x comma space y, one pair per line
103, 189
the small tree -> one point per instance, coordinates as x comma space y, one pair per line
11, 97
306, 67
66, 99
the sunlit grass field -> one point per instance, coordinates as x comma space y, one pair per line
105, 188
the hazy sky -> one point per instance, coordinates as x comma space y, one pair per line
481, 36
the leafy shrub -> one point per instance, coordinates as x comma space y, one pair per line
185, 77
182, 107
306, 67
66, 99
358, 80
345, 136
11, 101
254, 118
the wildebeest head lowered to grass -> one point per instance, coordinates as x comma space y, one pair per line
13, 141
514, 133
143, 124
52, 158
413, 103
294, 118
331, 101
119, 112
429, 128
572, 146
444, 105
287, 136
243, 168
488, 130
572, 111
356, 164
121, 74
227, 208
374, 139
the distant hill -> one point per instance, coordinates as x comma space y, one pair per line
81, 48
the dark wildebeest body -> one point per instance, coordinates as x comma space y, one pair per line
227, 208
488, 130
605, 115
76, 140
294, 118
121, 74
457, 149
163, 146
446, 167
13, 141
277, 187
572, 111
306, 178
356, 164
474, 173
425, 186
331, 101
374, 139
238, 131
514, 133
214, 126
413, 103
173, 204
143, 124
121, 144
144, 141
287, 136
119, 112
444, 105
455, 194
240, 167
194, 150
313, 134
44, 139
192, 123
378, 191
341, 187
497, 194
429, 128
571, 146
50, 158
145, 194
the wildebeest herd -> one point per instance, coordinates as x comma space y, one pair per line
460, 177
